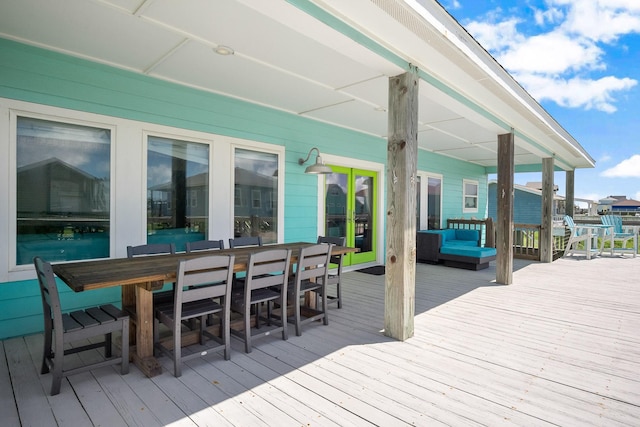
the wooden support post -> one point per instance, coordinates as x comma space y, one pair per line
402, 154
570, 200
504, 223
546, 225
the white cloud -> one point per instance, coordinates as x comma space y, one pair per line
560, 62
550, 15
605, 158
601, 20
628, 168
576, 92
496, 36
637, 196
552, 53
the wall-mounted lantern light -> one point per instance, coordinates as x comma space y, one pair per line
319, 167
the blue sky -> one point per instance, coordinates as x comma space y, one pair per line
581, 60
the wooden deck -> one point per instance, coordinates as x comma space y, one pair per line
561, 346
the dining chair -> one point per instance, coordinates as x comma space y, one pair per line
311, 275
154, 249
245, 241
203, 288
60, 329
622, 234
203, 245
265, 282
334, 277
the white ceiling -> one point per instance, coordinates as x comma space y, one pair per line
288, 59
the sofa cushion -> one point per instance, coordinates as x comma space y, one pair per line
472, 243
468, 251
456, 236
473, 235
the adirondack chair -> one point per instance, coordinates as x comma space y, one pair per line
579, 234
621, 233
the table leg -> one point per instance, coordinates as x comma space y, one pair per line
143, 356
129, 304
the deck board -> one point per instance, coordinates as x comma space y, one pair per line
8, 407
560, 346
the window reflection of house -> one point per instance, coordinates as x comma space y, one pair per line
256, 204
336, 214
159, 197
63, 212
54, 187
251, 189
336, 210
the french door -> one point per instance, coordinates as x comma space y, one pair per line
350, 211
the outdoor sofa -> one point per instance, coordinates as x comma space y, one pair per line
459, 248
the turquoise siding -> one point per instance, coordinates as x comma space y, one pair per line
527, 207
34, 75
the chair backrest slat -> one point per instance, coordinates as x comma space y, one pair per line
267, 268
49, 293
245, 241
151, 249
313, 262
204, 278
569, 221
203, 245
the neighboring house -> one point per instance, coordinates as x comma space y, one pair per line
255, 194
527, 203
195, 200
619, 205
236, 92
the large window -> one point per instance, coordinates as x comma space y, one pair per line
256, 177
470, 198
177, 191
63, 191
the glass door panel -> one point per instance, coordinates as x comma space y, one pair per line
350, 211
434, 204
364, 217
336, 207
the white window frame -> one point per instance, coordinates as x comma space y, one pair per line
27, 110
178, 135
265, 148
466, 182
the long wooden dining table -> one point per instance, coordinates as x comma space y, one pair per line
140, 276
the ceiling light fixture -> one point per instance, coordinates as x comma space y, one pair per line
319, 167
223, 50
